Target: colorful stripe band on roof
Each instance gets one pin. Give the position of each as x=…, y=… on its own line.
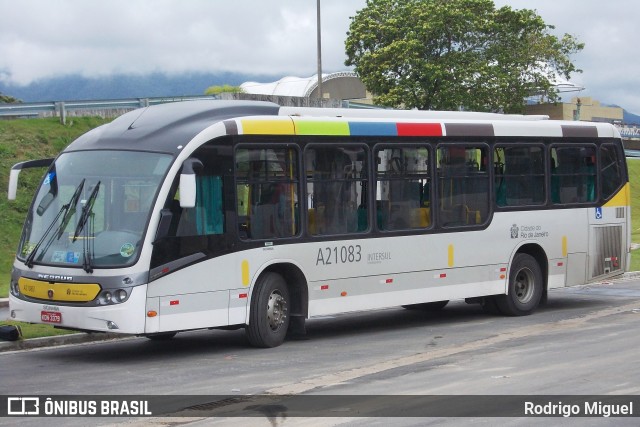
x=267, y=127
x=579, y=131
x=315, y=127
x=333, y=128
x=369, y=128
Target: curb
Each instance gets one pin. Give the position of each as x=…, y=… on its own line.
x=4, y=302
x=58, y=340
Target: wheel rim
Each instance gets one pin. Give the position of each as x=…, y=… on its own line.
x=524, y=286
x=276, y=310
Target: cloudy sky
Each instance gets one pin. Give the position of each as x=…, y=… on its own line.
x=45, y=38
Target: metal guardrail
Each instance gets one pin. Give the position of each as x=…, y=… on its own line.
x=629, y=131
x=63, y=108
x=115, y=107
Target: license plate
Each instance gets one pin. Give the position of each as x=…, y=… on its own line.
x=51, y=316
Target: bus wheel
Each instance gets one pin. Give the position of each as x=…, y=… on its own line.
x=161, y=336
x=269, y=317
x=525, y=287
x=427, y=306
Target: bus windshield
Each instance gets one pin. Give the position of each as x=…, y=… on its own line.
x=92, y=209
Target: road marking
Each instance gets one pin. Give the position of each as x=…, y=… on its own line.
x=341, y=377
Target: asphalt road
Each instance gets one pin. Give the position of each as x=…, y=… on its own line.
x=583, y=341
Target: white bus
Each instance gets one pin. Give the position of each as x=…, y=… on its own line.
x=222, y=214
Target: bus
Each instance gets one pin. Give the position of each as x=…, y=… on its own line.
x=240, y=214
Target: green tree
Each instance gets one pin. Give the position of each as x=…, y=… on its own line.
x=452, y=54
x=217, y=90
x=6, y=99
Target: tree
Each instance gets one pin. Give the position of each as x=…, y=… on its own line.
x=6, y=99
x=453, y=54
x=217, y=90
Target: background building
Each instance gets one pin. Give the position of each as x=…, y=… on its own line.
x=344, y=86
x=583, y=108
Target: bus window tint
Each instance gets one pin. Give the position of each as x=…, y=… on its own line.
x=403, y=198
x=463, y=184
x=611, y=172
x=267, y=192
x=573, y=174
x=519, y=175
x=336, y=189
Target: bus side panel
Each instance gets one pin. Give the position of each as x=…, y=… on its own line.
x=576, y=269
x=560, y=233
x=153, y=322
x=410, y=288
x=203, y=295
x=193, y=311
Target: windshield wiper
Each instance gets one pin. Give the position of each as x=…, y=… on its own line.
x=70, y=209
x=87, y=212
x=66, y=211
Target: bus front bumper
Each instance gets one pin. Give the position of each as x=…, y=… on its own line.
x=125, y=318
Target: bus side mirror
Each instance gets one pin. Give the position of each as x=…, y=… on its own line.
x=13, y=183
x=188, y=182
x=15, y=172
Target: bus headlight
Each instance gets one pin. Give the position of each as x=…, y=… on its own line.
x=113, y=296
x=121, y=295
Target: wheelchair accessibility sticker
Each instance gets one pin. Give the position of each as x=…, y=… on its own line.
x=598, y=213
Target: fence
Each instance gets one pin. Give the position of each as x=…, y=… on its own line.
x=103, y=108
x=116, y=107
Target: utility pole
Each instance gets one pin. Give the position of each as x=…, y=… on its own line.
x=319, y=51
x=576, y=113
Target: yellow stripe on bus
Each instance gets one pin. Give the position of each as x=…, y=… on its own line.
x=73, y=292
x=267, y=127
x=622, y=198
x=246, y=279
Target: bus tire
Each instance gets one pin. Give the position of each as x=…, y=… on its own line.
x=489, y=304
x=525, y=287
x=269, y=317
x=427, y=306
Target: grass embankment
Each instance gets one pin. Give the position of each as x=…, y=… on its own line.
x=22, y=140
x=38, y=138
x=634, y=178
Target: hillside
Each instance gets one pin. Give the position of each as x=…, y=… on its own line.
x=75, y=87
x=630, y=118
x=27, y=140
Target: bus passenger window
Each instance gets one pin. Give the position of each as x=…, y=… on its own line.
x=403, y=188
x=267, y=192
x=336, y=189
x=611, y=172
x=519, y=175
x=463, y=184
x=573, y=174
